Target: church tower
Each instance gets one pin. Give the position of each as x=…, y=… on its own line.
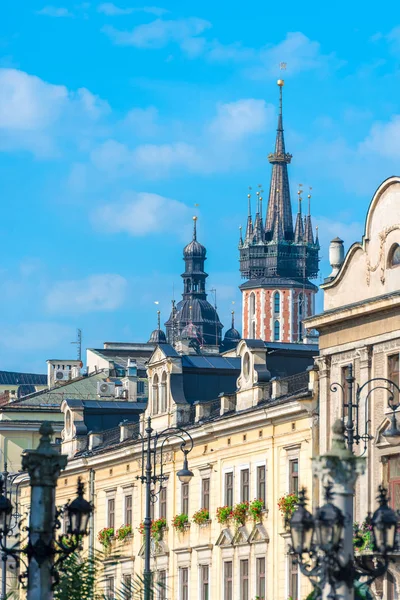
x=194, y=318
x=276, y=260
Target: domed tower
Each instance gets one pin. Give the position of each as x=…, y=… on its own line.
x=278, y=260
x=158, y=336
x=194, y=308
x=232, y=337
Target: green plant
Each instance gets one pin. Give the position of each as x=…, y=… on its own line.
x=78, y=577
x=287, y=505
x=156, y=528
x=201, y=516
x=105, y=535
x=240, y=512
x=362, y=537
x=123, y=532
x=179, y=522
x=255, y=509
x=224, y=514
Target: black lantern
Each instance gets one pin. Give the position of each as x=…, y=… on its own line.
x=329, y=523
x=5, y=511
x=185, y=475
x=392, y=435
x=384, y=523
x=79, y=512
x=302, y=526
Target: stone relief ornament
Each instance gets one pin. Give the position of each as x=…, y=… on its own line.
x=381, y=262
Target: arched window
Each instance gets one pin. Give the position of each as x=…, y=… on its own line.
x=394, y=256
x=253, y=331
x=300, y=314
x=155, y=395
x=252, y=315
x=252, y=304
x=163, y=403
x=277, y=303
x=277, y=331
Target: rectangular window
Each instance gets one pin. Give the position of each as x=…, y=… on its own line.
x=260, y=578
x=184, y=584
x=393, y=374
x=163, y=503
x=127, y=587
x=228, y=581
x=344, y=384
x=128, y=510
x=205, y=494
x=244, y=580
x=229, y=489
x=394, y=481
x=244, y=485
x=294, y=476
x=140, y=387
x=111, y=513
x=185, y=498
x=261, y=484
x=204, y=582
x=109, y=591
x=162, y=585
x=293, y=578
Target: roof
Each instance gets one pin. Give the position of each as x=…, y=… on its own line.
x=13, y=378
x=196, y=361
x=82, y=387
x=278, y=282
x=120, y=356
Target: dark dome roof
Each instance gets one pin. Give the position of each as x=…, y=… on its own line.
x=158, y=337
x=232, y=335
x=190, y=331
x=194, y=250
x=196, y=310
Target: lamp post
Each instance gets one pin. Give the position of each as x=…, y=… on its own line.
x=351, y=403
x=7, y=478
x=43, y=465
x=323, y=543
x=150, y=476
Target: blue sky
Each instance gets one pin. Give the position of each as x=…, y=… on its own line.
x=116, y=120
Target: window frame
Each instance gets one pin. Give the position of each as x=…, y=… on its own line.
x=185, y=498
x=128, y=499
x=227, y=594
x=183, y=585
x=261, y=577
x=162, y=591
x=293, y=475
x=263, y=496
x=277, y=330
x=244, y=579
x=276, y=300
x=204, y=581
x=162, y=513
x=205, y=493
x=230, y=487
x=111, y=513
x=244, y=485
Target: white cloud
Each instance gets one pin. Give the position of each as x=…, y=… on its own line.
x=35, y=336
x=142, y=213
x=34, y=112
x=111, y=10
x=160, y=33
x=383, y=139
x=160, y=159
x=142, y=121
x=236, y=120
x=95, y=293
x=54, y=11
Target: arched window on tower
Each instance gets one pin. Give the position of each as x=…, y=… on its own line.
x=277, y=303
x=394, y=256
x=252, y=316
x=155, y=393
x=163, y=403
x=300, y=314
x=277, y=331
x=253, y=330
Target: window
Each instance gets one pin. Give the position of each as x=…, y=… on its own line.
x=163, y=406
x=109, y=591
x=260, y=578
x=252, y=315
x=394, y=256
x=277, y=331
x=163, y=503
x=205, y=493
x=393, y=374
x=184, y=584
x=128, y=510
x=185, y=498
x=111, y=512
x=261, y=484
x=293, y=578
x=127, y=587
x=300, y=312
x=244, y=485
x=140, y=387
x=204, y=582
x=277, y=303
x=162, y=585
x=394, y=481
x=294, y=476
x=155, y=395
x=229, y=489
x=244, y=580
x=228, y=581
x=246, y=365
x=253, y=330
x=252, y=304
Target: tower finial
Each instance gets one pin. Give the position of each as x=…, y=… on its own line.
x=249, y=202
x=280, y=83
x=194, y=228
x=158, y=319
x=309, y=201
x=233, y=319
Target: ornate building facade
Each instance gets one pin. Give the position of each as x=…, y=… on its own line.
x=276, y=259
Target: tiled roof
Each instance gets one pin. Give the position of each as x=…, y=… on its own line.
x=12, y=378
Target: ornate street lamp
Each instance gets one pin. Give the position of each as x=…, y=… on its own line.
x=302, y=526
x=151, y=477
x=329, y=523
x=351, y=408
x=384, y=524
x=79, y=511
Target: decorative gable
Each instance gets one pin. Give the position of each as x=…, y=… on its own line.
x=157, y=548
x=241, y=536
x=225, y=538
x=259, y=534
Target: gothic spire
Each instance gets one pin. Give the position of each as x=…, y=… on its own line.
x=299, y=228
x=249, y=227
x=308, y=232
x=279, y=213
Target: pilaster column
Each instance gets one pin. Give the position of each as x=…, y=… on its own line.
x=323, y=363
x=365, y=483
x=43, y=465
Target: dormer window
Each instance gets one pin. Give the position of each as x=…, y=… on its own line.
x=155, y=395
x=163, y=399
x=394, y=256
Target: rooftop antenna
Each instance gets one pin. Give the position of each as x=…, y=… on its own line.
x=78, y=343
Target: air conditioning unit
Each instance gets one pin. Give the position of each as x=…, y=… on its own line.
x=120, y=392
x=60, y=375
x=105, y=388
